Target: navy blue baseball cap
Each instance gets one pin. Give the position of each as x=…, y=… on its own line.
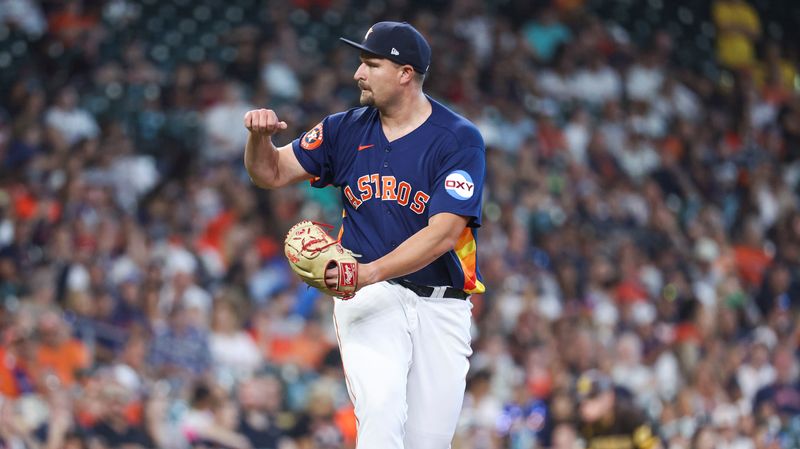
x=398, y=42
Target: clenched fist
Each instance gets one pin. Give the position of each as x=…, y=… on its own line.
x=263, y=122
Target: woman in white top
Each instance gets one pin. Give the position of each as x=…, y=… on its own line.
x=233, y=350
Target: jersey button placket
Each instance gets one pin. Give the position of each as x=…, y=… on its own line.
x=387, y=150
x=384, y=172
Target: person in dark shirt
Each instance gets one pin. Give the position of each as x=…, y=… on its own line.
x=261, y=420
x=608, y=418
x=113, y=428
x=783, y=395
x=779, y=291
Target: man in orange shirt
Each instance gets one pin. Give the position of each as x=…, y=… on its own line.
x=58, y=353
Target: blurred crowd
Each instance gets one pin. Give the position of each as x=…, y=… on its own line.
x=642, y=218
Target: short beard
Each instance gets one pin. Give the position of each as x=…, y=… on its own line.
x=366, y=100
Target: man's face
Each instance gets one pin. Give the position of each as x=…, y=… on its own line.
x=593, y=409
x=68, y=98
x=378, y=79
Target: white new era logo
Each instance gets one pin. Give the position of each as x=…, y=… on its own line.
x=395, y=52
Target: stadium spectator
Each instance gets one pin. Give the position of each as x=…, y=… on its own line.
x=179, y=351
x=233, y=352
x=67, y=123
x=59, y=357
x=546, y=33
x=219, y=122
x=781, y=397
x=263, y=419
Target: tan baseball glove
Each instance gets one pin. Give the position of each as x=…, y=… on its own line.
x=311, y=251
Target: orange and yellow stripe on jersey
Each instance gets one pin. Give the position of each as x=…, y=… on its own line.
x=467, y=251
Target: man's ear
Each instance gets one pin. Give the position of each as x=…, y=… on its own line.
x=406, y=74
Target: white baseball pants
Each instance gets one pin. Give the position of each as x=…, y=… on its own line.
x=405, y=362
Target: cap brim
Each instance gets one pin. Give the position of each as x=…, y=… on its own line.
x=357, y=45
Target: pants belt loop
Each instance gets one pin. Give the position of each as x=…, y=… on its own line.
x=438, y=292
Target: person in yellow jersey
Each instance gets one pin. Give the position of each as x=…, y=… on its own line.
x=608, y=419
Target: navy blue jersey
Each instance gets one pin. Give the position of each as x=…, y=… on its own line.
x=390, y=189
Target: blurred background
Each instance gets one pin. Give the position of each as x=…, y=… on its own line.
x=642, y=218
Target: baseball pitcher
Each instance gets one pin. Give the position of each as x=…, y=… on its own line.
x=411, y=174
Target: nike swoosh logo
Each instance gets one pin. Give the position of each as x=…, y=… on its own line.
x=364, y=147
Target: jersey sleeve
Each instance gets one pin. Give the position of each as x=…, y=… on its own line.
x=315, y=150
x=458, y=185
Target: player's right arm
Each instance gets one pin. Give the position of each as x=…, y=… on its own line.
x=269, y=167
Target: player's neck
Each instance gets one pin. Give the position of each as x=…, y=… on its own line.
x=405, y=116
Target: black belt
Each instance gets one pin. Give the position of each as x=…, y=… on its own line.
x=427, y=292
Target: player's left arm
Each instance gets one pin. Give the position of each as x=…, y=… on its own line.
x=416, y=252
